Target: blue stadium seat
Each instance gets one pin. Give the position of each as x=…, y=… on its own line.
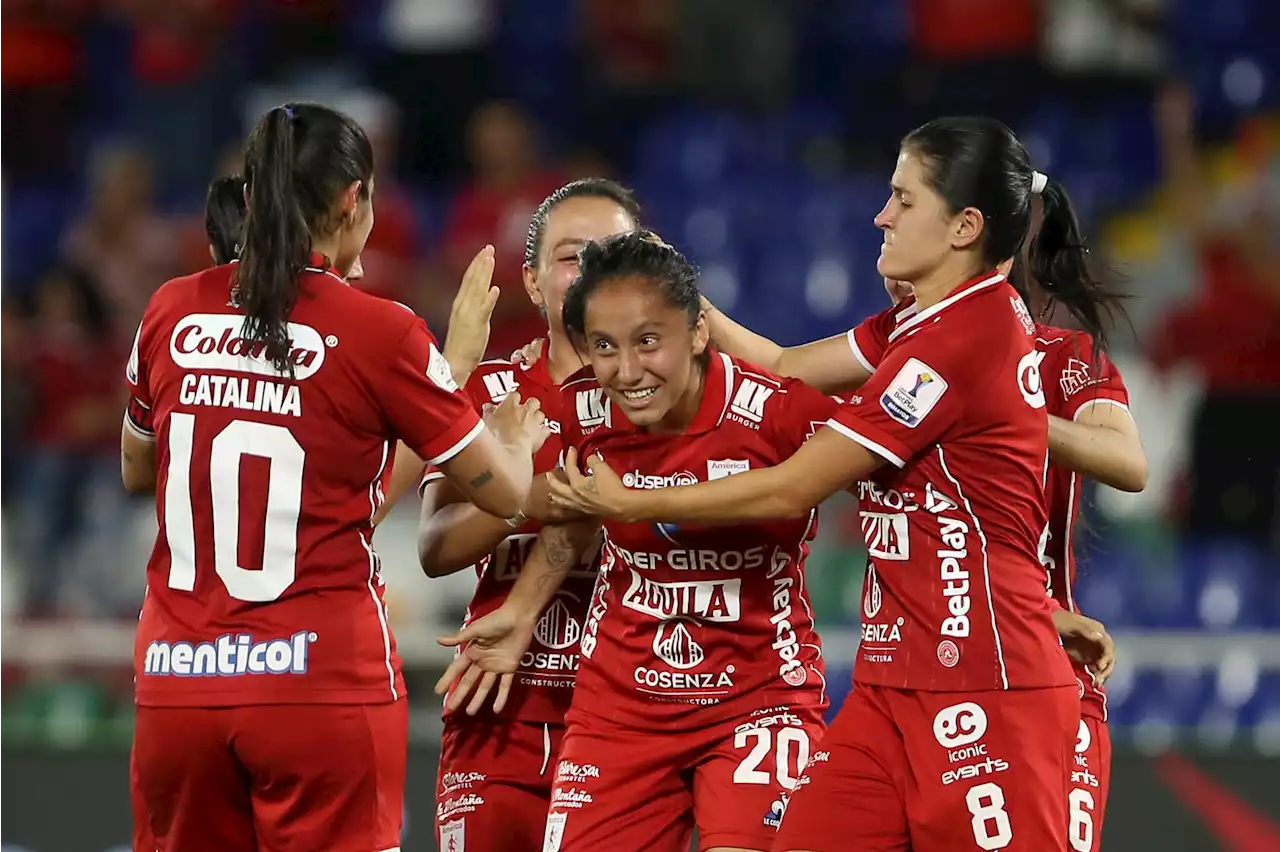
x=696, y=147
x=1229, y=583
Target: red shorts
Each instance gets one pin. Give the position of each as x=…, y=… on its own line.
x=494, y=784
x=281, y=776
x=1090, y=780
x=938, y=771
x=621, y=789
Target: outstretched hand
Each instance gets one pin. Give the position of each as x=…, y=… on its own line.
x=468, y=336
x=600, y=493
x=491, y=648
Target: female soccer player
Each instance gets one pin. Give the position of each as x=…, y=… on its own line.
x=224, y=212
x=266, y=398
x=495, y=778
x=701, y=687
x=961, y=726
x=1091, y=433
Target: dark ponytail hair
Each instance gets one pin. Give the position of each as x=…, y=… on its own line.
x=638, y=254
x=299, y=159
x=1058, y=261
x=224, y=210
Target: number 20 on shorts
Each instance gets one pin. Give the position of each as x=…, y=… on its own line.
x=790, y=747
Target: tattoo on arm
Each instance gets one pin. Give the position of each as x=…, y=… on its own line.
x=482, y=480
x=561, y=552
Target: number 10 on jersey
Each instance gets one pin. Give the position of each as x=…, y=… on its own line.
x=222, y=460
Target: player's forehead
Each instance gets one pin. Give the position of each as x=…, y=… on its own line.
x=629, y=303
x=582, y=219
x=909, y=173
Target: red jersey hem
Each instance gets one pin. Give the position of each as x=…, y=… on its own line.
x=227, y=698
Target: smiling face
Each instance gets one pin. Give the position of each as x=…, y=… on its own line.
x=919, y=232
x=644, y=353
x=571, y=224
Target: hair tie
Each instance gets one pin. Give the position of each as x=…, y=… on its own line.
x=1039, y=180
x=288, y=112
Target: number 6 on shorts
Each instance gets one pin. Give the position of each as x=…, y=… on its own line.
x=787, y=741
x=1081, y=820
x=986, y=803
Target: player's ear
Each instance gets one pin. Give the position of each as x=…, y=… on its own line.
x=967, y=227
x=530, y=278
x=701, y=334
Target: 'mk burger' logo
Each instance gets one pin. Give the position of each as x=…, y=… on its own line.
x=216, y=342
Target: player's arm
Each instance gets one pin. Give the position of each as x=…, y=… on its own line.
x=138, y=431
x=827, y=463
x=405, y=472
x=137, y=461
x=495, y=470
x=558, y=549
x=452, y=533
x=1101, y=443
x=828, y=365
x=491, y=463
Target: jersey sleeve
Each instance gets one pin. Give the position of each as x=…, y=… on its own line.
x=802, y=410
x=424, y=405
x=1086, y=377
x=476, y=392
x=870, y=338
x=914, y=396
x=138, y=418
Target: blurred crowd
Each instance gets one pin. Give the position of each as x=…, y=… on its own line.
x=1157, y=114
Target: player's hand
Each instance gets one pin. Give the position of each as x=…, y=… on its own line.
x=1087, y=642
x=599, y=493
x=492, y=646
x=468, y=336
x=898, y=290
x=518, y=424
x=529, y=353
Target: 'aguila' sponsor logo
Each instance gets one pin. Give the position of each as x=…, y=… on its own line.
x=705, y=600
x=217, y=342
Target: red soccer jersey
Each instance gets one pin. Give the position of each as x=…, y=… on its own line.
x=695, y=625
x=1075, y=377
x=954, y=598
x=263, y=586
x=550, y=666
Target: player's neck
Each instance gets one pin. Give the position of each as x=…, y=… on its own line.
x=943, y=281
x=562, y=359
x=327, y=246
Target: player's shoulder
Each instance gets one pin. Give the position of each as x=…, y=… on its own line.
x=200, y=290
x=336, y=301
x=493, y=381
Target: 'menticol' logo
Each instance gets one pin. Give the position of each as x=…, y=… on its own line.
x=230, y=656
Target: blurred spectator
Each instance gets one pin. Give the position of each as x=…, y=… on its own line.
x=974, y=57
x=181, y=82
x=436, y=66
x=737, y=52
x=510, y=181
x=628, y=58
x=43, y=73
x=1230, y=329
x=15, y=396
x=73, y=365
x=1085, y=39
x=129, y=247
